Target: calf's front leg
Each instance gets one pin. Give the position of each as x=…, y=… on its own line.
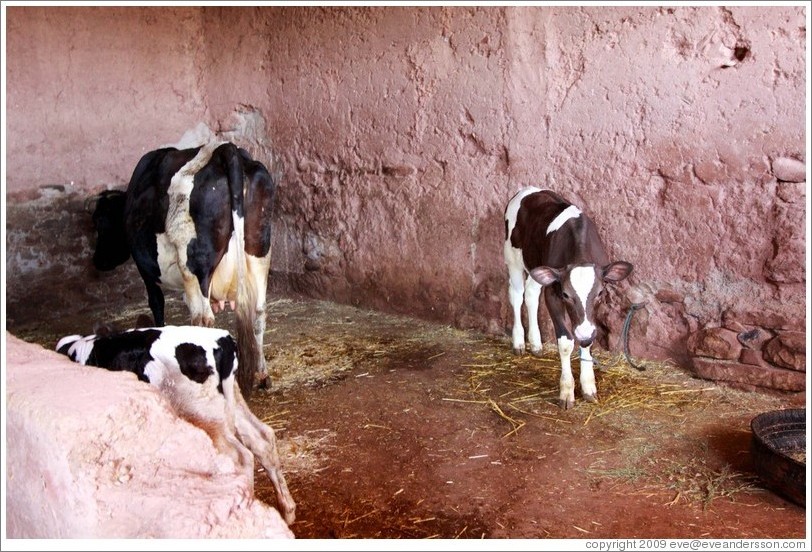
x=566, y=384
x=588, y=386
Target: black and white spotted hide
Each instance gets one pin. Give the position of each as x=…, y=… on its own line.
x=194, y=367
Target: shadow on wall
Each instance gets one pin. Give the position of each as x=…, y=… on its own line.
x=49, y=270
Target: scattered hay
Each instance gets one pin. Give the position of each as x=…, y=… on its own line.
x=529, y=385
x=307, y=453
x=620, y=387
x=346, y=337
x=690, y=478
x=697, y=481
x=516, y=387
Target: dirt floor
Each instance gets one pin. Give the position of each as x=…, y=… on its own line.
x=395, y=428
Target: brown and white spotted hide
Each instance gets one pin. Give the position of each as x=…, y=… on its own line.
x=552, y=245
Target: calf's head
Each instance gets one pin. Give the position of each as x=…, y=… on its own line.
x=579, y=287
x=111, y=240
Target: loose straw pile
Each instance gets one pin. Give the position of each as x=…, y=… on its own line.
x=518, y=386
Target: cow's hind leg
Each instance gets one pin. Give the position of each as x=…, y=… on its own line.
x=258, y=269
x=260, y=439
x=155, y=296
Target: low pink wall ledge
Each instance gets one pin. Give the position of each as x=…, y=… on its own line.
x=95, y=454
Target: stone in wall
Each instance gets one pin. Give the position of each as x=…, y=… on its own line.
x=787, y=350
x=718, y=343
x=750, y=358
x=753, y=357
x=787, y=263
x=753, y=338
x=789, y=169
x=740, y=374
x=764, y=317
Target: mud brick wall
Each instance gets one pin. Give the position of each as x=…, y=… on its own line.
x=399, y=134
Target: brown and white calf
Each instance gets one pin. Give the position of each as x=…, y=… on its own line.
x=551, y=244
x=194, y=368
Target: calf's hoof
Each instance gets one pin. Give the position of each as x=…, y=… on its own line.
x=593, y=398
x=290, y=516
x=536, y=352
x=566, y=404
x=519, y=351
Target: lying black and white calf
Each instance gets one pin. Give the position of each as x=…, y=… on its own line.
x=195, y=368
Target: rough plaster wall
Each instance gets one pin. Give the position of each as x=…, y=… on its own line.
x=649, y=118
x=380, y=135
x=92, y=89
x=401, y=132
x=403, y=138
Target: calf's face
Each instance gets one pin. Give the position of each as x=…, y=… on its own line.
x=580, y=287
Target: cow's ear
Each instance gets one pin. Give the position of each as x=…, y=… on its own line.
x=545, y=275
x=616, y=271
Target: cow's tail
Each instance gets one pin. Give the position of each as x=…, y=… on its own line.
x=248, y=351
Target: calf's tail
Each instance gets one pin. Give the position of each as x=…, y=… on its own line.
x=248, y=351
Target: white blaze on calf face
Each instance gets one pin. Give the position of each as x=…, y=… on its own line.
x=569, y=213
x=583, y=279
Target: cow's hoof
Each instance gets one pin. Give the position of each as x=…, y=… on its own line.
x=536, y=352
x=566, y=404
x=264, y=384
x=591, y=398
x=519, y=351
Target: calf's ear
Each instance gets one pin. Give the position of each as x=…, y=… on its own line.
x=545, y=275
x=617, y=271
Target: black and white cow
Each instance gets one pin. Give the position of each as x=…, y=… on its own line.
x=197, y=220
x=194, y=368
x=552, y=244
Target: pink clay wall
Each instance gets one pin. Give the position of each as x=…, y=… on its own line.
x=97, y=454
x=400, y=133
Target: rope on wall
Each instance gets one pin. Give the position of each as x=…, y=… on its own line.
x=625, y=334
